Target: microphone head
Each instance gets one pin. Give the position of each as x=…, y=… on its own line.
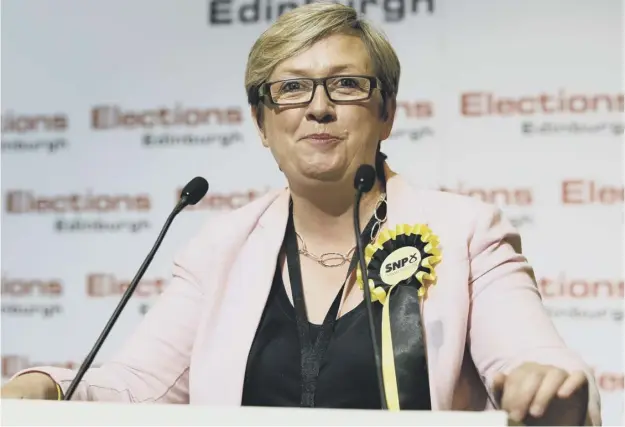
x=195, y=190
x=365, y=178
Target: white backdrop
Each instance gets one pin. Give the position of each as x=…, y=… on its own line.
x=516, y=102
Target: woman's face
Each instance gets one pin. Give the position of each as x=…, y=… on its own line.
x=324, y=140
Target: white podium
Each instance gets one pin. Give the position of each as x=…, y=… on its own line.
x=52, y=413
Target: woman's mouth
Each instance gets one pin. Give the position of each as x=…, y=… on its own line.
x=322, y=139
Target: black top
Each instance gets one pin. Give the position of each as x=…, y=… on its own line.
x=347, y=377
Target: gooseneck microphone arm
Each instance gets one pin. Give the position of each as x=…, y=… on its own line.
x=191, y=194
x=365, y=178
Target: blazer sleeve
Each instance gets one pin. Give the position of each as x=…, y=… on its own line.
x=508, y=324
x=153, y=364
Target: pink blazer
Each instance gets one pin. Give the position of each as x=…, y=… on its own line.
x=484, y=314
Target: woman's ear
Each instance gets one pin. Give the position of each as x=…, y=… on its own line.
x=257, y=118
x=389, y=106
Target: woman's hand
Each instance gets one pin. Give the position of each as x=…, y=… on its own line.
x=543, y=395
x=34, y=385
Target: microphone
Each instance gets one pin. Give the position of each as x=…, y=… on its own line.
x=363, y=183
x=190, y=195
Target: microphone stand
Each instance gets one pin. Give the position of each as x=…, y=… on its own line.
x=368, y=304
x=182, y=203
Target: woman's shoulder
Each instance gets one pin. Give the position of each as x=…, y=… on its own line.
x=449, y=206
x=459, y=220
x=240, y=220
x=225, y=232
x=442, y=198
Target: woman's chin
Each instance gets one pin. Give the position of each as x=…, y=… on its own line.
x=323, y=175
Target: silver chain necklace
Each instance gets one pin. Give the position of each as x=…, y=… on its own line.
x=335, y=259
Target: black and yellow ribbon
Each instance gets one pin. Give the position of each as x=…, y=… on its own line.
x=405, y=256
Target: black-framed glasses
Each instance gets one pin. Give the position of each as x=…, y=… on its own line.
x=302, y=90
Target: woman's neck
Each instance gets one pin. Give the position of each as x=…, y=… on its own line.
x=324, y=216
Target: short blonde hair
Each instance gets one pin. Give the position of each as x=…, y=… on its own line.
x=305, y=25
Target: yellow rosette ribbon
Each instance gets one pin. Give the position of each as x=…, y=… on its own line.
x=405, y=256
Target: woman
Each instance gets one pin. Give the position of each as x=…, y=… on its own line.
x=322, y=86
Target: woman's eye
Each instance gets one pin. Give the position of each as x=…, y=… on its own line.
x=348, y=83
x=290, y=86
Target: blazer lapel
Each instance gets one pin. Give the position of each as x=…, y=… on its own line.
x=242, y=307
